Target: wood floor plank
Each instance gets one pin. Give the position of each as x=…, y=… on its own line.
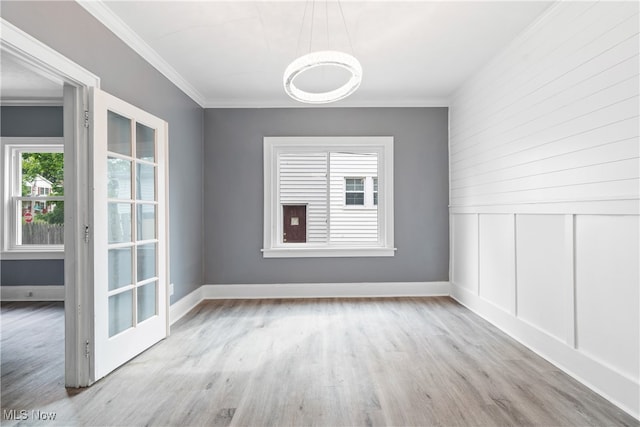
x=314, y=362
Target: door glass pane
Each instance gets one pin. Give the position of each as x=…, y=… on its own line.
x=146, y=261
x=146, y=301
x=145, y=182
x=146, y=222
x=120, y=312
x=119, y=178
x=119, y=222
x=145, y=142
x=120, y=267
x=118, y=134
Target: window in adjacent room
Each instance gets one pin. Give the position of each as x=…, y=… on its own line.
x=34, y=195
x=338, y=181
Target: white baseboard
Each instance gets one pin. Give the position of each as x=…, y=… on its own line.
x=184, y=305
x=620, y=389
x=32, y=293
x=326, y=290
x=305, y=290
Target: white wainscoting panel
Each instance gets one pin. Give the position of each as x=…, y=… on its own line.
x=497, y=260
x=464, y=249
x=620, y=389
x=608, y=290
x=542, y=261
x=548, y=133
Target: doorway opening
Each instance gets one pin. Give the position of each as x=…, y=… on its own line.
x=53, y=89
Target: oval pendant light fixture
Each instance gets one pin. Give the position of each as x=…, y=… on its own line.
x=324, y=58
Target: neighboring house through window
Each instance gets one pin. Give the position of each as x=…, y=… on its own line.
x=333, y=182
x=354, y=193
x=375, y=191
x=362, y=193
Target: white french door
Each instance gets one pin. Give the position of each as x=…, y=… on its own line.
x=130, y=269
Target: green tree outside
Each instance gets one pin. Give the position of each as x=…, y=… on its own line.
x=51, y=167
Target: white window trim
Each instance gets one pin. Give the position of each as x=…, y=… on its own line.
x=382, y=145
x=9, y=146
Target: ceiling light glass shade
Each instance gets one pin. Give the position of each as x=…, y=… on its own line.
x=320, y=59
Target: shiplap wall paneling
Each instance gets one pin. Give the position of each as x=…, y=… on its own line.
x=601, y=143
x=608, y=290
x=542, y=263
x=562, y=123
x=497, y=260
x=570, y=45
x=464, y=248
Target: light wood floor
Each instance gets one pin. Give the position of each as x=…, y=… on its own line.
x=341, y=362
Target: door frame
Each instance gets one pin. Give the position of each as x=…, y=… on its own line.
x=78, y=259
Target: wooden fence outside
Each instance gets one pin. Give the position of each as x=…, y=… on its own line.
x=42, y=234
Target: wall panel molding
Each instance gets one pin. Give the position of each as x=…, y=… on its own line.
x=620, y=389
x=628, y=205
x=570, y=278
x=545, y=289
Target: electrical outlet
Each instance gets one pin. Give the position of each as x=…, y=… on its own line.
x=170, y=289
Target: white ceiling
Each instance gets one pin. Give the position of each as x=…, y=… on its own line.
x=22, y=84
x=233, y=53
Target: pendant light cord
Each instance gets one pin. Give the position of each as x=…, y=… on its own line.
x=313, y=14
x=344, y=22
x=313, y=18
x=326, y=14
x=304, y=18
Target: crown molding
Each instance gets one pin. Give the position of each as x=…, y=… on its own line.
x=110, y=20
x=419, y=103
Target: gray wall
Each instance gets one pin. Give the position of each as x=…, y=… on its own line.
x=31, y=122
x=68, y=28
x=42, y=272
x=234, y=194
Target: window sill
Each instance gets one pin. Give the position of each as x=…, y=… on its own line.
x=30, y=254
x=360, y=207
x=328, y=252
